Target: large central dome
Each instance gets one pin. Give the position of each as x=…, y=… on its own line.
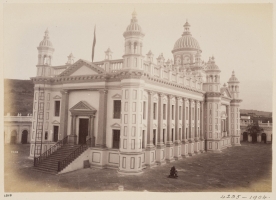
x=186, y=42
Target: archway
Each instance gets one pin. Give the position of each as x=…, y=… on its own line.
x=24, y=137
x=13, y=137
x=254, y=137
x=245, y=136
x=263, y=137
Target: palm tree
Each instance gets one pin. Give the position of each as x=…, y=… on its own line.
x=254, y=130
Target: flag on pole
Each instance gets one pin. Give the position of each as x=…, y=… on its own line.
x=94, y=43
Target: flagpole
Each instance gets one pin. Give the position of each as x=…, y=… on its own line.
x=94, y=43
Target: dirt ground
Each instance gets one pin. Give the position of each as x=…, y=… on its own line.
x=247, y=168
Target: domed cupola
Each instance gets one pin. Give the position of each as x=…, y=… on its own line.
x=46, y=41
x=233, y=78
x=133, y=28
x=186, y=42
x=45, y=50
x=133, y=57
x=211, y=65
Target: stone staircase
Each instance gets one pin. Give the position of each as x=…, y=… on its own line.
x=50, y=164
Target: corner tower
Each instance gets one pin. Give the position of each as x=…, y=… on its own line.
x=212, y=106
x=233, y=85
x=133, y=58
x=45, y=55
x=132, y=90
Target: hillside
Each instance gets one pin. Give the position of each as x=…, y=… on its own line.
x=18, y=96
x=257, y=113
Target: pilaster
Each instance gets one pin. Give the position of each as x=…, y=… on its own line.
x=64, y=113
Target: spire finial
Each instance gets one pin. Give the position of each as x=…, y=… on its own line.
x=186, y=28
x=134, y=14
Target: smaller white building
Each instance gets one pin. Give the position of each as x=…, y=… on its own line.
x=17, y=128
x=265, y=136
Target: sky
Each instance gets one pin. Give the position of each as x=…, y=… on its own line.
x=239, y=36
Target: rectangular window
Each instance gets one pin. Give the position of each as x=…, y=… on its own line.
x=48, y=106
x=179, y=134
x=164, y=131
x=172, y=112
x=116, y=139
x=57, y=108
x=154, y=110
x=48, y=97
x=144, y=110
x=164, y=111
x=172, y=136
x=41, y=95
x=154, y=137
x=47, y=115
x=37, y=149
x=116, y=109
x=186, y=133
x=180, y=112
x=143, y=139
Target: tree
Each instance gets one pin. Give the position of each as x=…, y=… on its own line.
x=254, y=130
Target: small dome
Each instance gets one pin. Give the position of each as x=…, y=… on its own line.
x=186, y=41
x=211, y=65
x=233, y=78
x=134, y=26
x=46, y=41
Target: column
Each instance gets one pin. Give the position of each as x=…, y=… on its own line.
x=150, y=148
x=202, y=127
x=177, y=145
x=64, y=113
x=228, y=120
x=72, y=137
x=196, y=125
x=191, y=132
x=169, y=144
x=160, y=147
x=185, y=142
x=150, y=120
x=92, y=131
x=101, y=136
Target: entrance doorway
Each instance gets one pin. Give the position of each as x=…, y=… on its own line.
x=13, y=137
x=56, y=133
x=254, y=137
x=24, y=138
x=83, y=130
x=264, y=137
x=245, y=137
x=116, y=139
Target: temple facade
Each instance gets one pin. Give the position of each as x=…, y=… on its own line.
x=134, y=112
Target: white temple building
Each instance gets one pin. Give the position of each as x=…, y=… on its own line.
x=133, y=112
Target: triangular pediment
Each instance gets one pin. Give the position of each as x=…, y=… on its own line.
x=82, y=67
x=117, y=96
x=57, y=97
x=82, y=106
x=116, y=125
x=55, y=122
x=225, y=92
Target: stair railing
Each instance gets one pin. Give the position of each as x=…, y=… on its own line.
x=50, y=151
x=72, y=156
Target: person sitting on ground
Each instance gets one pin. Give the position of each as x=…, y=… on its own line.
x=173, y=172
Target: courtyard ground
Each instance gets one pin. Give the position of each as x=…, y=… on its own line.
x=247, y=168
